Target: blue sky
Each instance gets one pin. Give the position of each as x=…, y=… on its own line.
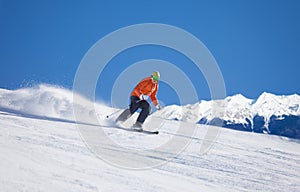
x=255, y=43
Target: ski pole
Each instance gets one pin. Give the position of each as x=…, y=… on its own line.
x=107, y=116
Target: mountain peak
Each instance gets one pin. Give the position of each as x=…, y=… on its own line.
x=266, y=95
x=238, y=98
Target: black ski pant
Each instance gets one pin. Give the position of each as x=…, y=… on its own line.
x=135, y=104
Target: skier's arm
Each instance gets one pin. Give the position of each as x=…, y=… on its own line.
x=153, y=96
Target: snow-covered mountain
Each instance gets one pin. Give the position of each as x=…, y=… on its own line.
x=42, y=149
x=270, y=113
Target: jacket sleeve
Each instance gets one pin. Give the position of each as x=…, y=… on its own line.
x=153, y=96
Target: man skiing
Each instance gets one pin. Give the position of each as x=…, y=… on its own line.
x=146, y=88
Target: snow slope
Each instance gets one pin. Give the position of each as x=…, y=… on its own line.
x=43, y=151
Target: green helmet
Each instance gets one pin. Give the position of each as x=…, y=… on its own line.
x=155, y=75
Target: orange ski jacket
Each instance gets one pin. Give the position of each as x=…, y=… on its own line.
x=147, y=87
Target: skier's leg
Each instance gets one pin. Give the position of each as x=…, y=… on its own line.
x=146, y=108
x=128, y=112
x=124, y=115
x=134, y=104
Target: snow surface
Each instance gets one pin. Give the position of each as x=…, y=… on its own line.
x=42, y=149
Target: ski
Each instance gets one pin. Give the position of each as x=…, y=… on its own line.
x=138, y=131
x=146, y=131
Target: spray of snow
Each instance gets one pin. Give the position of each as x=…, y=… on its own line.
x=46, y=101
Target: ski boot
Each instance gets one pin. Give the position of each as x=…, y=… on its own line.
x=138, y=126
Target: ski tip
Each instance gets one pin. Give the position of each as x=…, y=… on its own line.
x=148, y=132
x=154, y=132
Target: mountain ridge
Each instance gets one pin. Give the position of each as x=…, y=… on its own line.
x=240, y=113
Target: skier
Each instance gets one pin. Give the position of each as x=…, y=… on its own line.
x=146, y=88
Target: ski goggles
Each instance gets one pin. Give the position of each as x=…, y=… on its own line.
x=155, y=78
